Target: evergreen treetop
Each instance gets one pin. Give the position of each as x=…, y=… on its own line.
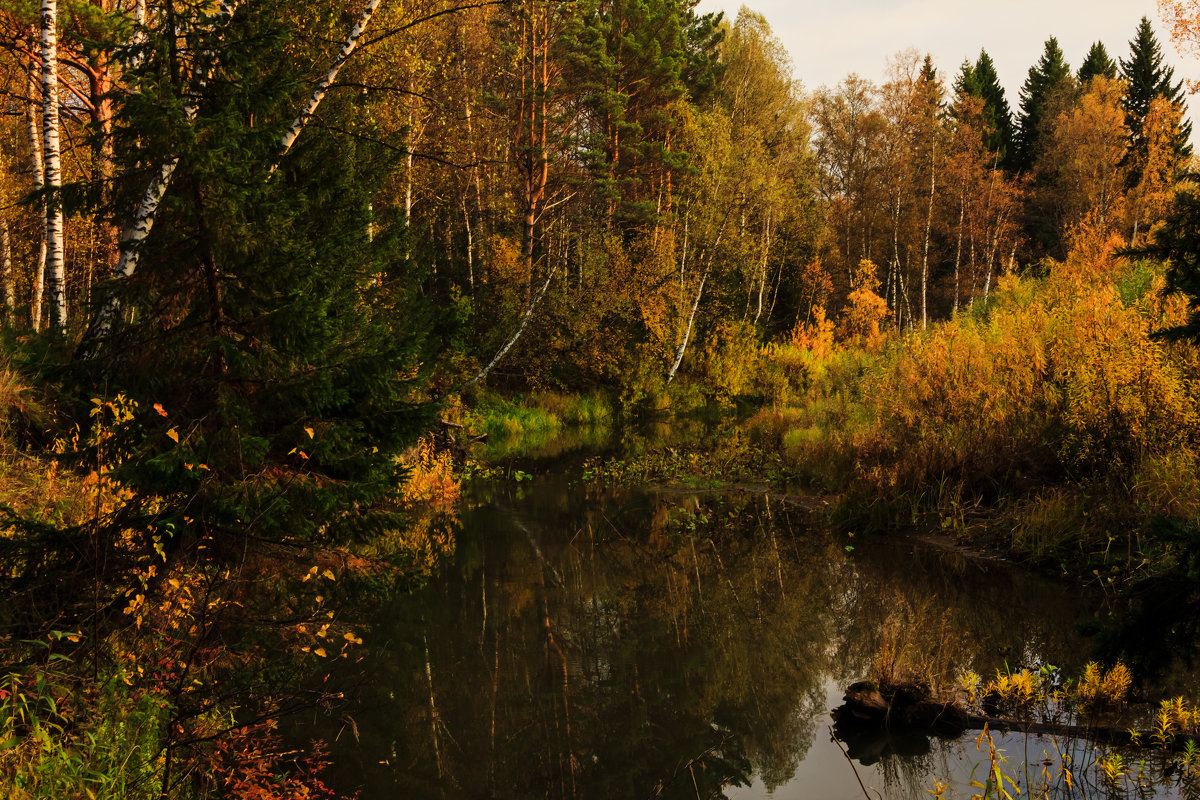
x=982, y=81
x=1148, y=77
x=1097, y=62
x=1044, y=77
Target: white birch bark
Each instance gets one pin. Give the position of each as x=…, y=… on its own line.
x=928, y=228
x=528, y=315
x=687, y=333
x=762, y=277
x=318, y=94
x=55, y=257
x=10, y=289
x=39, y=181
x=143, y=218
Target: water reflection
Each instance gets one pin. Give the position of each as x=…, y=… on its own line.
x=586, y=644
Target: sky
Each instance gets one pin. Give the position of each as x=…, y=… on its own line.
x=829, y=39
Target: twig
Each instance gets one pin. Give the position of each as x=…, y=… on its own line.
x=850, y=761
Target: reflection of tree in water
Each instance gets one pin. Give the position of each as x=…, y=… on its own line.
x=664, y=646
x=946, y=613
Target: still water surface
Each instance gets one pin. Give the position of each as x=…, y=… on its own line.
x=591, y=643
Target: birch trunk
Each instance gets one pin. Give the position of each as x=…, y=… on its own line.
x=143, y=219
x=10, y=289
x=39, y=181
x=318, y=94
x=762, y=281
x=962, y=214
x=687, y=332
x=928, y=228
x=528, y=315
x=135, y=234
x=55, y=258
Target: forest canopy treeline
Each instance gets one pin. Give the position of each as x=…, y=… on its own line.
x=575, y=194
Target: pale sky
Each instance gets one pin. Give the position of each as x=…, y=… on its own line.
x=829, y=39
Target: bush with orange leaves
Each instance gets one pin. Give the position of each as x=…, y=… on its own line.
x=432, y=477
x=1059, y=380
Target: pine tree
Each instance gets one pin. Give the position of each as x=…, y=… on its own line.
x=1148, y=77
x=633, y=59
x=1044, y=79
x=1096, y=62
x=997, y=115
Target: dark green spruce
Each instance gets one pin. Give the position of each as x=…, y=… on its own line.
x=1097, y=62
x=980, y=80
x=1044, y=79
x=1148, y=77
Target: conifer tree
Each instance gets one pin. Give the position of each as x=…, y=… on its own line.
x=1147, y=78
x=276, y=334
x=983, y=82
x=1177, y=243
x=1043, y=79
x=1096, y=62
x=633, y=59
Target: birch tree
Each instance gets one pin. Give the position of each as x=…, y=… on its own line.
x=38, y=170
x=55, y=253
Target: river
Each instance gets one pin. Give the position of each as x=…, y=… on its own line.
x=586, y=642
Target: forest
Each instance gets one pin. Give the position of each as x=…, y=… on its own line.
x=283, y=282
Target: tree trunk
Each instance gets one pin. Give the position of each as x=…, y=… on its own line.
x=528, y=315
x=928, y=227
x=536, y=161
x=39, y=182
x=687, y=332
x=962, y=214
x=310, y=108
x=55, y=258
x=762, y=282
x=10, y=289
x=410, y=141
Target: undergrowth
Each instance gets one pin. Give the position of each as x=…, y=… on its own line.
x=1055, y=401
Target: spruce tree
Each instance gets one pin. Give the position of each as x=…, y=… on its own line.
x=980, y=80
x=273, y=335
x=1043, y=79
x=1177, y=242
x=929, y=73
x=965, y=81
x=1148, y=77
x=1097, y=62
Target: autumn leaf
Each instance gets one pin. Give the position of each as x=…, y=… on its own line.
x=161, y=411
x=173, y=435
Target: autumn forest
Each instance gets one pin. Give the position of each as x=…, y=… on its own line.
x=307, y=308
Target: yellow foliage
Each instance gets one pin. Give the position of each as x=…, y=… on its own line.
x=815, y=336
x=731, y=357
x=432, y=478
x=1060, y=375
x=865, y=311
x=1100, y=689
x=1018, y=689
